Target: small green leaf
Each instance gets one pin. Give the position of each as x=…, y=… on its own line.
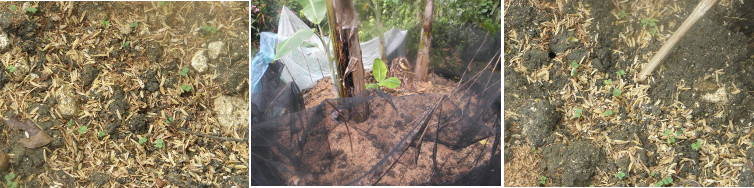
x=159, y=143
x=574, y=64
x=621, y=73
x=10, y=176
x=161, y=3
x=82, y=129
x=542, y=180
x=13, y=7
x=668, y=180
x=184, y=71
x=142, y=140
x=11, y=68
x=170, y=120
x=577, y=114
x=608, y=112
x=667, y=132
x=671, y=140
x=287, y=45
x=14, y=185
x=696, y=145
x=379, y=70
x=186, y=88
x=372, y=86
x=70, y=122
x=622, y=13
x=616, y=92
x=391, y=82
x=134, y=24
x=31, y=9
x=101, y=133
x=608, y=81
x=652, y=174
x=620, y=175
x=105, y=23
x=658, y=184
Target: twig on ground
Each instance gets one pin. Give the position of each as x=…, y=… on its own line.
x=210, y=136
x=698, y=12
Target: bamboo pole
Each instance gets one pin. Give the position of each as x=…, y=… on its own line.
x=698, y=12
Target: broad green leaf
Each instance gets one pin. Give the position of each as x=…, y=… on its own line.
x=286, y=46
x=391, y=82
x=314, y=10
x=379, y=71
x=308, y=44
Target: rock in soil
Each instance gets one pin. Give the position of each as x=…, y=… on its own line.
x=232, y=112
x=68, y=104
x=99, y=179
x=538, y=118
x=576, y=162
x=215, y=49
x=199, y=61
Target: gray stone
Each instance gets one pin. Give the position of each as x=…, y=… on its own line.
x=232, y=112
x=68, y=104
x=215, y=49
x=199, y=61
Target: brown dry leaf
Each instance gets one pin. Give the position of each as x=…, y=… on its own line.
x=37, y=137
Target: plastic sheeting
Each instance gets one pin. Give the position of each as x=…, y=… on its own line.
x=306, y=66
x=262, y=59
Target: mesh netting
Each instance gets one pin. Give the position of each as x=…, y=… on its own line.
x=378, y=139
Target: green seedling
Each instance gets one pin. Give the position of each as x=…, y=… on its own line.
x=186, y=88
x=184, y=71
x=616, y=92
x=652, y=174
x=671, y=140
x=621, y=73
x=620, y=175
x=651, y=23
x=696, y=145
x=169, y=120
x=665, y=181
x=125, y=44
x=379, y=72
x=679, y=132
x=159, y=143
x=101, y=134
x=9, y=180
x=134, y=24
x=70, y=122
x=668, y=180
x=574, y=69
x=142, y=140
x=161, y=3
x=31, y=9
x=607, y=82
x=209, y=29
x=622, y=13
x=11, y=68
x=667, y=132
x=608, y=112
x=577, y=113
x=542, y=180
x=82, y=130
x=105, y=23
x=13, y=7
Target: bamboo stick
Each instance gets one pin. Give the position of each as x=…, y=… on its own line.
x=698, y=12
